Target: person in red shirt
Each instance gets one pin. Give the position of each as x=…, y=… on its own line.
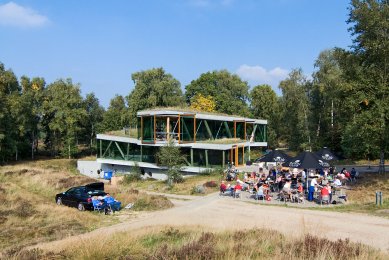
x=324, y=191
x=223, y=187
x=237, y=190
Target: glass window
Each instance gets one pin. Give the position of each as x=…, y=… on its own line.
x=187, y=126
x=148, y=129
x=260, y=133
x=240, y=130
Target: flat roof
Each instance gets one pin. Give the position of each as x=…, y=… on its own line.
x=200, y=115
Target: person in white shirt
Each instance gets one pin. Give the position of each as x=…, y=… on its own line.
x=337, y=183
x=312, y=187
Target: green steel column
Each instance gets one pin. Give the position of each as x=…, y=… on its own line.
x=227, y=129
x=206, y=158
x=224, y=158
x=128, y=151
x=191, y=156
x=141, y=153
x=208, y=129
x=101, y=148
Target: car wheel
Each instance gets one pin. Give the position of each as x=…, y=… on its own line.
x=59, y=201
x=81, y=207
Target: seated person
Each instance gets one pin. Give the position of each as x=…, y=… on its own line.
x=223, y=187
x=300, y=188
x=115, y=205
x=244, y=185
x=96, y=202
x=337, y=182
x=324, y=191
x=237, y=188
x=260, y=193
x=287, y=187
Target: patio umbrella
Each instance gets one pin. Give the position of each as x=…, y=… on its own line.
x=306, y=160
x=326, y=154
x=274, y=156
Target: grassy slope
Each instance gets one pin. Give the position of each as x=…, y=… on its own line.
x=191, y=243
x=29, y=215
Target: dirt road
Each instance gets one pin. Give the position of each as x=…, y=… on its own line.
x=220, y=213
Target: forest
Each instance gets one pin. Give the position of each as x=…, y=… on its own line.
x=343, y=105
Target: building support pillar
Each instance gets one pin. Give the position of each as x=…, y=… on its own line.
x=101, y=148
x=191, y=156
x=206, y=158
x=224, y=158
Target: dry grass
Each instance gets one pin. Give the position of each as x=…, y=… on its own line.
x=191, y=243
x=183, y=188
x=29, y=215
x=361, y=195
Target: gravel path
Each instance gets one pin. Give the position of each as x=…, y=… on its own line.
x=213, y=212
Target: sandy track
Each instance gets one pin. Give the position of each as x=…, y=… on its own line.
x=220, y=213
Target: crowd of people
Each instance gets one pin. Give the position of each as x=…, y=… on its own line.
x=292, y=185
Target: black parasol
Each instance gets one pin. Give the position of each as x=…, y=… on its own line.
x=326, y=155
x=306, y=160
x=274, y=156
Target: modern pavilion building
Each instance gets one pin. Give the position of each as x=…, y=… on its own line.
x=207, y=140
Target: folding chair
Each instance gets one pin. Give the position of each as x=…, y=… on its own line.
x=97, y=205
x=237, y=194
x=325, y=198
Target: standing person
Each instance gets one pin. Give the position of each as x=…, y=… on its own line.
x=329, y=191
x=312, y=187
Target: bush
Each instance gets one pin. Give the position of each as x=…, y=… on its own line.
x=199, y=189
x=210, y=184
x=129, y=178
x=24, y=209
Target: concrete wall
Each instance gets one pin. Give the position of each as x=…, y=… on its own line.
x=88, y=168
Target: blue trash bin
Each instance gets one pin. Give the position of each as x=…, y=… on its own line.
x=107, y=175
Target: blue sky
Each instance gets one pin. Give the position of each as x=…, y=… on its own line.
x=99, y=44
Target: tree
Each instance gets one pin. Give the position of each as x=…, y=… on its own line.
x=228, y=90
x=29, y=111
x=329, y=98
x=202, y=103
x=9, y=96
x=265, y=105
x=63, y=114
x=153, y=88
x=295, y=112
x=171, y=157
x=369, y=20
x=115, y=117
x=94, y=118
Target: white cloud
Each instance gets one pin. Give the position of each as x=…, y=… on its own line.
x=12, y=14
x=258, y=75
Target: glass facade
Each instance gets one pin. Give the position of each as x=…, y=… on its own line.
x=186, y=128
x=260, y=133
x=148, y=129
x=240, y=130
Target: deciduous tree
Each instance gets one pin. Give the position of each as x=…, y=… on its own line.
x=228, y=90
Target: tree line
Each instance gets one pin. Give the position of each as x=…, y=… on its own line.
x=344, y=105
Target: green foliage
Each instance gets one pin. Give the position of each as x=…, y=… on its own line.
x=63, y=116
x=94, y=119
x=295, y=113
x=266, y=105
x=135, y=175
x=171, y=157
x=228, y=90
x=153, y=88
x=115, y=117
